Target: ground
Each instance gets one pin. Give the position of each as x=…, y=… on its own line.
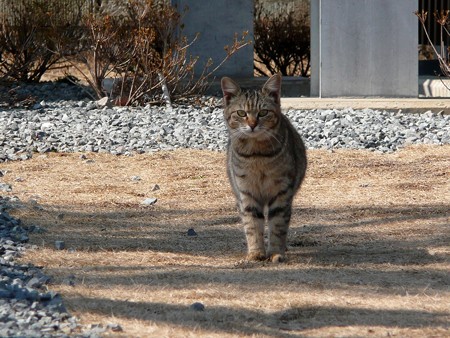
x=368, y=247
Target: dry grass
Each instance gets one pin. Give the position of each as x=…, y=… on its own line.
x=368, y=248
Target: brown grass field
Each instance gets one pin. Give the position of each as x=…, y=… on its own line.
x=369, y=245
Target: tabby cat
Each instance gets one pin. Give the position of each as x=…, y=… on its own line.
x=266, y=163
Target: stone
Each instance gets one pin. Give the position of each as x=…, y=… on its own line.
x=60, y=245
x=37, y=106
x=5, y=294
x=149, y=201
x=69, y=280
x=191, y=232
x=197, y=306
x=114, y=327
x=104, y=102
x=34, y=283
x=5, y=187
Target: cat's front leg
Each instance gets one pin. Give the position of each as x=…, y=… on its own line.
x=253, y=220
x=279, y=217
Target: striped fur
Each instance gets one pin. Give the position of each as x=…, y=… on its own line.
x=266, y=163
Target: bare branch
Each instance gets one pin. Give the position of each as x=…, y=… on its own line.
x=282, y=39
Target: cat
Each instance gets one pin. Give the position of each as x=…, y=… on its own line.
x=266, y=164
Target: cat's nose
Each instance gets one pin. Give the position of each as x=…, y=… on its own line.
x=252, y=124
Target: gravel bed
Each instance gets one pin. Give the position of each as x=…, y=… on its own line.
x=27, y=307
x=81, y=126
x=64, y=119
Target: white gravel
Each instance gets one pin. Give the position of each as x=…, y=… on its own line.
x=80, y=126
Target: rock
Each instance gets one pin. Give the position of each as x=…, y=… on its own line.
x=29, y=311
x=191, y=232
x=104, y=102
x=114, y=327
x=46, y=126
x=4, y=294
x=197, y=306
x=5, y=187
x=155, y=187
x=149, y=201
x=69, y=280
x=96, y=329
x=37, y=106
x=34, y=283
x=60, y=245
x=36, y=229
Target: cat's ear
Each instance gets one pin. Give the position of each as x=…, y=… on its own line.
x=273, y=87
x=230, y=89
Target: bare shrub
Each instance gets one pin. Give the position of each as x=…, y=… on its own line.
x=26, y=49
x=161, y=67
x=156, y=55
x=101, y=43
x=138, y=46
x=282, y=40
x=23, y=51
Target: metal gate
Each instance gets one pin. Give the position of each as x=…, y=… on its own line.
x=433, y=27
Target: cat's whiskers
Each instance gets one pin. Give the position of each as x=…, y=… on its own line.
x=238, y=133
x=271, y=137
x=270, y=134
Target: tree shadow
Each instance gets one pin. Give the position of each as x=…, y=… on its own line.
x=389, y=263
x=317, y=278
x=329, y=249
x=319, y=235
x=285, y=323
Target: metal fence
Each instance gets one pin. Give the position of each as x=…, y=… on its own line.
x=433, y=27
x=68, y=10
x=281, y=6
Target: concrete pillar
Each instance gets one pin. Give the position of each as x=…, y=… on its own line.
x=217, y=21
x=364, y=48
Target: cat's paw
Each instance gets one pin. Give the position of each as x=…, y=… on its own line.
x=256, y=256
x=277, y=258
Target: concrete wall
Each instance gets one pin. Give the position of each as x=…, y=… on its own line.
x=217, y=21
x=364, y=48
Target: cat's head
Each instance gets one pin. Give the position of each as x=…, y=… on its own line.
x=252, y=113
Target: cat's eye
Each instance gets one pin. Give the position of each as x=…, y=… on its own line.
x=263, y=113
x=241, y=113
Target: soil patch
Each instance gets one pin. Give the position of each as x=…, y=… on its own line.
x=368, y=251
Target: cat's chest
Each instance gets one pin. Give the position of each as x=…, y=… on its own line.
x=264, y=178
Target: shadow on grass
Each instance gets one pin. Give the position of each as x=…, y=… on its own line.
x=332, y=249
x=182, y=276
x=219, y=319
x=327, y=251
x=339, y=236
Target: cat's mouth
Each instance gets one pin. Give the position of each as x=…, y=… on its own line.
x=254, y=132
